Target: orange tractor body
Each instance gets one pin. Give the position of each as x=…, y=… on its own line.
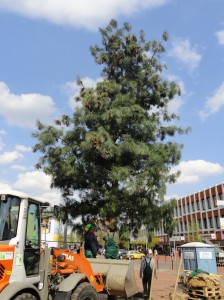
x=31, y=273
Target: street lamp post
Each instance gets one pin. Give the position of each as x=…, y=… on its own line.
x=65, y=233
x=146, y=238
x=174, y=247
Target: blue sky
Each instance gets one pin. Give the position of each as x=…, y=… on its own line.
x=45, y=46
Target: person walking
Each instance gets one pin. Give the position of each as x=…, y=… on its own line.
x=91, y=245
x=146, y=270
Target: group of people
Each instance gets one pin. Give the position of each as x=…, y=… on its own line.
x=91, y=248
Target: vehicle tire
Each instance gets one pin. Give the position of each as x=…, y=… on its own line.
x=85, y=291
x=132, y=257
x=25, y=296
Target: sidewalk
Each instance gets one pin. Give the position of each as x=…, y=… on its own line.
x=164, y=285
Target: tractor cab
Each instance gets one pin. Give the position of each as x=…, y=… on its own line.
x=9, y=216
x=19, y=236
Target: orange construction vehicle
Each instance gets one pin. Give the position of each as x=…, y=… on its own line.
x=28, y=272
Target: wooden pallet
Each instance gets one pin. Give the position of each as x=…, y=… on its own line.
x=205, y=293
x=205, y=298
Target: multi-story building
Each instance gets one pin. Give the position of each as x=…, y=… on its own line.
x=203, y=208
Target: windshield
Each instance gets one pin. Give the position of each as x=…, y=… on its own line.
x=9, y=215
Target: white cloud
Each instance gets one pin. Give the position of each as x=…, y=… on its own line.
x=168, y=198
x=2, y=145
x=53, y=197
x=37, y=184
x=2, y=132
x=33, y=180
x=214, y=103
x=24, y=110
x=19, y=167
x=185, y=53
x=72, y=90
x=193, y=170
x=175, y=104
x=10, y=156
x=5, y=186
x=220, y=36
x=23, y=148
x=86, y=13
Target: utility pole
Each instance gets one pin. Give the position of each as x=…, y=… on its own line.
x=146, y=238
x=65, y=233
x=65, y=220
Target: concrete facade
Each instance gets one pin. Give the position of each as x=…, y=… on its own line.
x=206, y=209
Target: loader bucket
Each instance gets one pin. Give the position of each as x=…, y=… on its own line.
x=119, y=276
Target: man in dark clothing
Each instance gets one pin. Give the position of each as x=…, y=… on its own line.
x=146, y=270
x=91, y=245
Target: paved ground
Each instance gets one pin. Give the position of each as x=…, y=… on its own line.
x=164, y=285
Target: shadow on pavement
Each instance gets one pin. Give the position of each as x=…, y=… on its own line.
x=135, y=297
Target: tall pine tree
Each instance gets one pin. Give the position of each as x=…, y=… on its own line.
x=117, y=149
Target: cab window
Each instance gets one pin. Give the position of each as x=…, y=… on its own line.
x=32, y=242
x=33, y=225
x=9, y=216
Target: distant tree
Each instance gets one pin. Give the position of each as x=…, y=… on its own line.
x=117, y=148
x=193, y=229
x=167, y=216
x=124, y=236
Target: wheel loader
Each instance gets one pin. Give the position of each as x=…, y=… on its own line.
x=28, y=272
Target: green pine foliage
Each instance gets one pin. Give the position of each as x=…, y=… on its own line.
x=118, y=146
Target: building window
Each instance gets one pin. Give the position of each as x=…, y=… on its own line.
x=188, y=208
x=198, y=205
x=211, y=222
x=180, y=210
x=217, y=222
x=181, y=227
x=193, y=208
x=203, y=204
x=205, y=223
x=199, y=223
x=208, y=203
x=184, y=210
